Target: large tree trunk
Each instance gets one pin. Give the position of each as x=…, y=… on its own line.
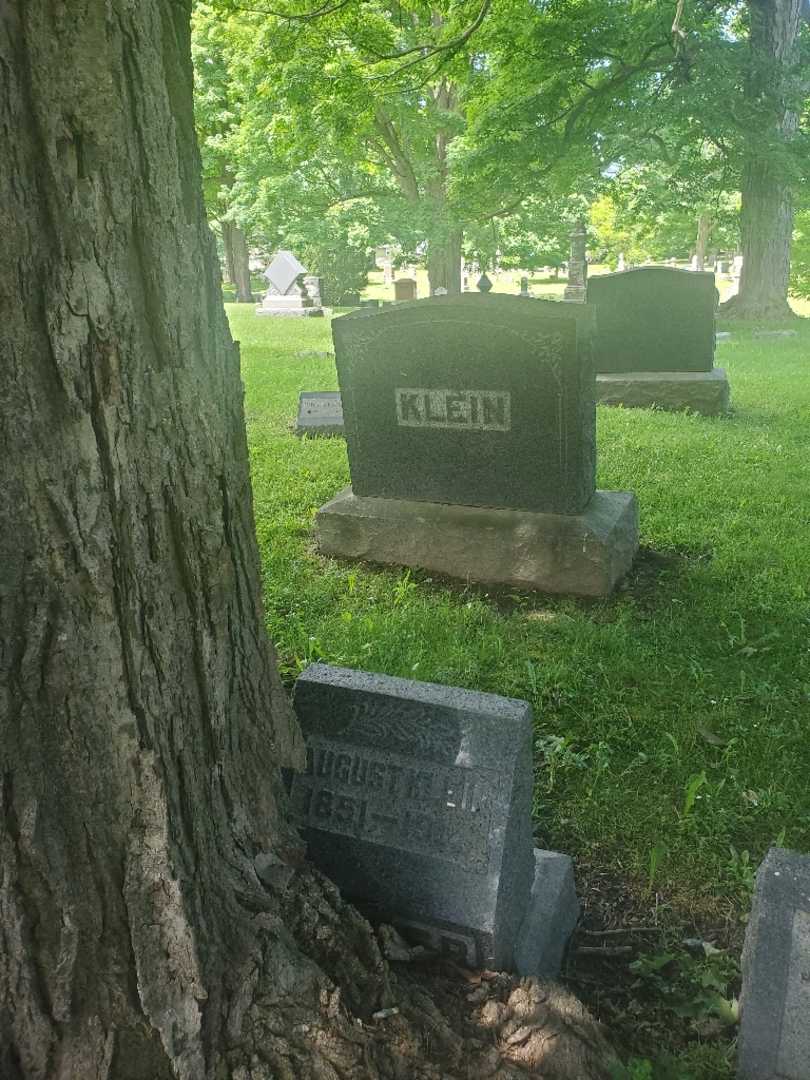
x=156, y=917
x=237, y=261
x=142, y=719
x=766, y=214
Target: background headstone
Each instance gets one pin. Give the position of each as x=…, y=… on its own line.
x=290, y=289
x=320, y=412
x=774, y=1039
x=473, y=400
x=283, y=272
x=417, y=801
x=405, y=289
x=653, y=319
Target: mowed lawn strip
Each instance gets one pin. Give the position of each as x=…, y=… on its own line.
x=672, y=719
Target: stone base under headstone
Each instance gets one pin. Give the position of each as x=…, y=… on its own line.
x=705, y=392
x=576, y=554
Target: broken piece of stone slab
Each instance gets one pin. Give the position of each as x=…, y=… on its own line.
x=774, y=1040
x=416, y=801
x=704, y=392
x=582, y=554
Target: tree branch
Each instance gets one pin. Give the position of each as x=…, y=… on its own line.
x=431, y=50
x=309, y=16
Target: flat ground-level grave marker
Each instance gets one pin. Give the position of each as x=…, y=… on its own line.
x=320, y=412
x=416, y=802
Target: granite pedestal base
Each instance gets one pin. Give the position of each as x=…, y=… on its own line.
x=576, y=554
x=705, y=392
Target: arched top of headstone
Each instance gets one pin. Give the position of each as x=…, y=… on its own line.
x=283, y=271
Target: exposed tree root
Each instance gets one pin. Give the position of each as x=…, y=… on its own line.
x=435, y=1021
x=740, y=310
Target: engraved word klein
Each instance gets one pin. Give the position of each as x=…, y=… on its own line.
x=478, y=410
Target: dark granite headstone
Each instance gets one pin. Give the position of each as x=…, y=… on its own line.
x=774, y=1041
x=319, y=413
x=416, y=802
x=404, y=289
x=653, y=319
x=479, y=400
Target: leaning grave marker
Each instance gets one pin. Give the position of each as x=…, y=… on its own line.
x=416, y=802
x=774, y=1040
x=470, y=428
x=656, y=340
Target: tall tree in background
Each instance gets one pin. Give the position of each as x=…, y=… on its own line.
x=366, y=110
x=217, y=110
x=157, y=919
x=359, y=103
x=666, y=88
x=775, y=87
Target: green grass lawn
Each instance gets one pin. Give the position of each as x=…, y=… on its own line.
x=672, y=720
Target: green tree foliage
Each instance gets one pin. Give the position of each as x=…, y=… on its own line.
x=483, y=125
x=356, y=130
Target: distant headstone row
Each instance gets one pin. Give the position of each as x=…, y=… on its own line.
x=416, y=801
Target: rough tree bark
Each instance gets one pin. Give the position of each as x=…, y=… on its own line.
x=156, y=917
x=766, y=214
x=237, y=261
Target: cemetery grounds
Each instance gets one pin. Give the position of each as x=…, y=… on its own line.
x=671, y=720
